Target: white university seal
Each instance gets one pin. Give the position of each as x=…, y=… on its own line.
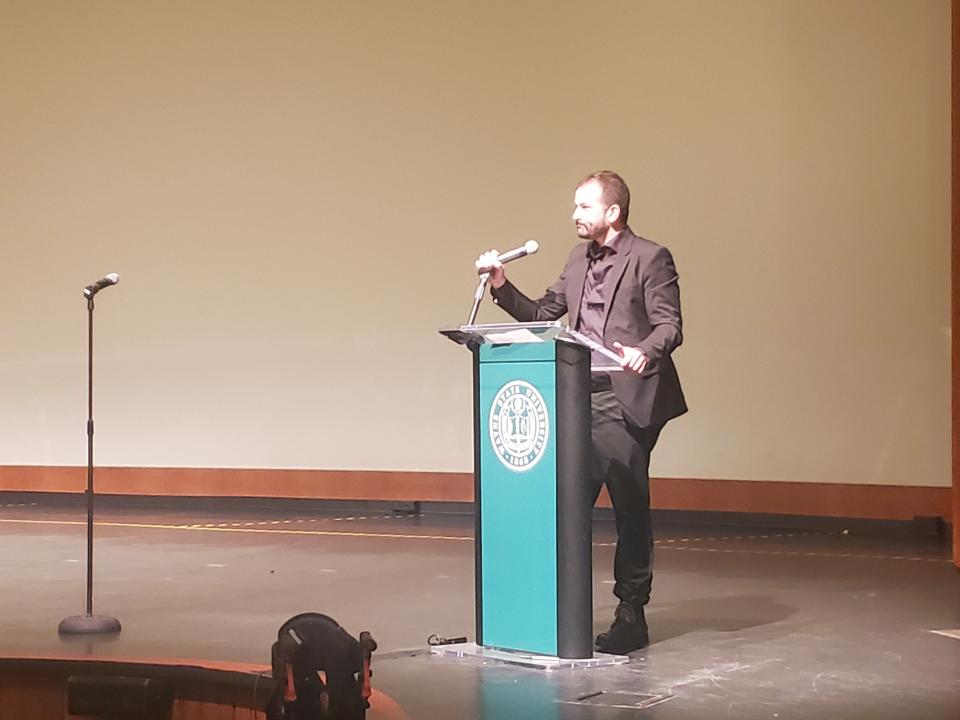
x=519, y=425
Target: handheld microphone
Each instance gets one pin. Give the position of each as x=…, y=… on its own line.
x=528, y=248
x=106, y=281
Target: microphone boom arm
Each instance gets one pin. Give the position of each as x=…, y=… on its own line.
x=478, y=296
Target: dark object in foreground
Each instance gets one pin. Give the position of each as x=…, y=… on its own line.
x=321, y=670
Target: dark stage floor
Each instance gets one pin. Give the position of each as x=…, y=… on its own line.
x=746, y=623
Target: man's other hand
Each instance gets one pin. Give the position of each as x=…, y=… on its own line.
x=631, y=358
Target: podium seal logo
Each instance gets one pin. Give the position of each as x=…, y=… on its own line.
x=519, y=425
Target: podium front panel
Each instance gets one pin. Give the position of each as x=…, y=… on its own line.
x=516, y=429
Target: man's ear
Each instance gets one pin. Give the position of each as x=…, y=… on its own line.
x=612, y=213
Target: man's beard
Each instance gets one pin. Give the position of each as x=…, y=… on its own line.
x=591, y=232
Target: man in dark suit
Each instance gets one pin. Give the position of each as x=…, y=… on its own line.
x=620, y=290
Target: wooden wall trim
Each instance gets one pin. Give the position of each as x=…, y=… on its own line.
x=881, y=502
x=245, y=482
x=888, y=502
x=955, y=264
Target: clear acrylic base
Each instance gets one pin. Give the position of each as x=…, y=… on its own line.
x=526, y=659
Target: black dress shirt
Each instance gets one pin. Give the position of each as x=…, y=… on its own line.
x=594, y=300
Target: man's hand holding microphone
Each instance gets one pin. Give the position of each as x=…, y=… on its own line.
x=489, y=262
x=492, y=261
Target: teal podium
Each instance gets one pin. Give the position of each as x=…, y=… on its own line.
x=533, y=499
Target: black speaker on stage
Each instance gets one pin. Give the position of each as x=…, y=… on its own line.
x=119, y=698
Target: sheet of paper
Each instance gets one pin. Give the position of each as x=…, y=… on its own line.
x=517, y=335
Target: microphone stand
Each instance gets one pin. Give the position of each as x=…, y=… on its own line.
x=477, y=297
x=88, y=623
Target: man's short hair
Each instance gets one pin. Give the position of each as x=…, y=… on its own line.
x=614, y=190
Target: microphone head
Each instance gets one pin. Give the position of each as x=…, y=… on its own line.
x=114, y=278
x=531, y=246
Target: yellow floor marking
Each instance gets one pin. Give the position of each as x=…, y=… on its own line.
x=148, y=526
x=406, y=536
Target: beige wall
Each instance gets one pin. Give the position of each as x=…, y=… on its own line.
x=294, y=193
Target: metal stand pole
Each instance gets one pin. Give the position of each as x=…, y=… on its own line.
x=89, y=623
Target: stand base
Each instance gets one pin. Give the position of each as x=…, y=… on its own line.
x=526, y=659
x=88, y=625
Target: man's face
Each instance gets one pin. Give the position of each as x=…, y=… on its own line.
x=590, y=215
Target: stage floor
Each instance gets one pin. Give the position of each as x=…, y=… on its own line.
x=745, y=622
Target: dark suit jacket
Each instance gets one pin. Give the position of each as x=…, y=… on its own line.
x=642, y=310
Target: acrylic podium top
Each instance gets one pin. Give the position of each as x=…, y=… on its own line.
x=473, y=336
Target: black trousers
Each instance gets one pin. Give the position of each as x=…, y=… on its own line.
x=621, y=461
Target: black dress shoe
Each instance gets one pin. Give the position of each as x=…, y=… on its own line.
x=628, y=632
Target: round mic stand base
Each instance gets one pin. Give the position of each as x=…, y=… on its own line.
x=88, y=625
